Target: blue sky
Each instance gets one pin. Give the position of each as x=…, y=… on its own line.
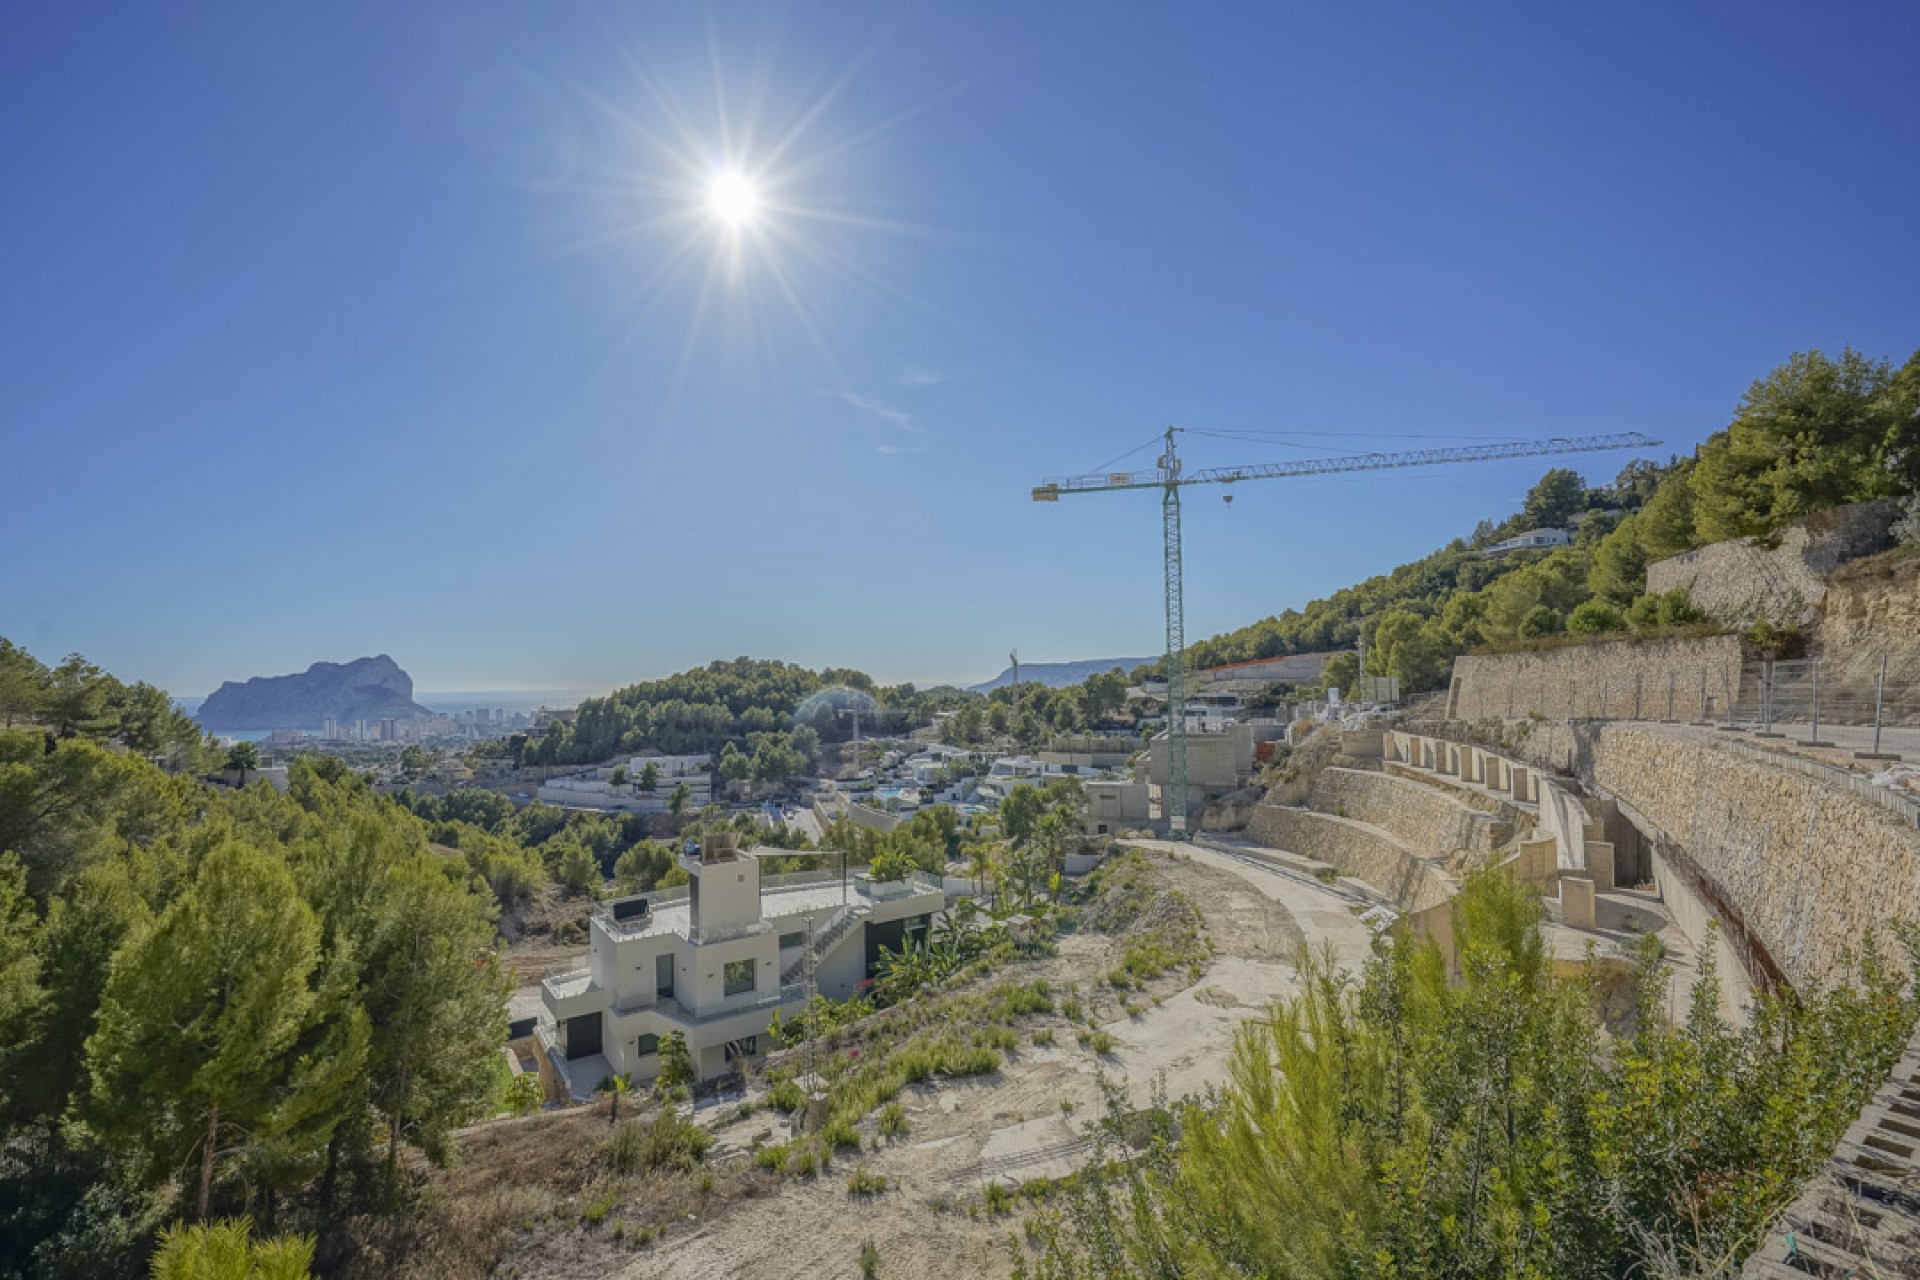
x=332, y=330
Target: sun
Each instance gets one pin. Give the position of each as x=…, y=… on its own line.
x=733, y=199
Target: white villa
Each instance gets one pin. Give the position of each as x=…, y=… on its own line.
x=1530, y=540
x=1009, y=772
x=715, y=959
x=596, y=789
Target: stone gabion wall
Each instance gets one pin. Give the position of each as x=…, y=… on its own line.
x=1808, y=867
x=1356, y=850
x=1617, y=679
x=1742, y=582
x=1431, y=822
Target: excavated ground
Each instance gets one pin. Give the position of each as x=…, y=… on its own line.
x=1010, y=1126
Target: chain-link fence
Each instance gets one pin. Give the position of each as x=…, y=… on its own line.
x=1806, y=696
x=1818, y=696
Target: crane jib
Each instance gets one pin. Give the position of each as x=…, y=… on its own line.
x=1052, y=489
x=1169, y=478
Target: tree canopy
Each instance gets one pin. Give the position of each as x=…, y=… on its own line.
x=212, y=999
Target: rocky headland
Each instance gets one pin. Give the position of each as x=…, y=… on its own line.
x=364, y=689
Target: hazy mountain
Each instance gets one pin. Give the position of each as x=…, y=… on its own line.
x=364, y=689
x=1057, y=675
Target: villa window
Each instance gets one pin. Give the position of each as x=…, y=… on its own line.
x=647, y=1044
x=788, y=940
x=738, y=977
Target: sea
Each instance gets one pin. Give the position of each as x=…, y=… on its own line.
x=449, y=702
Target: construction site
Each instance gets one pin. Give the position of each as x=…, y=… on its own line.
x=1691, y=795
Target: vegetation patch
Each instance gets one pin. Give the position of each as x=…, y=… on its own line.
x=663, y=1141
x=1405, y=1122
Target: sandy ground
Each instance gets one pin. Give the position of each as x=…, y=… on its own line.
x=1031, y=1119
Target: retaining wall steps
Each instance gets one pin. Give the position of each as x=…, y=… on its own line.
x=1358, y=849
x=1434, y=822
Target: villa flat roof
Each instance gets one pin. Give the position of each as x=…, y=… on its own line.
x=775, y=904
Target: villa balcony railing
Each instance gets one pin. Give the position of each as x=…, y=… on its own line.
x=657, y=898
x=673, y=1011
x=573, y=982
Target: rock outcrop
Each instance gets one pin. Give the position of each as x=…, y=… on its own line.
x=1781, y=580
x=364, y=689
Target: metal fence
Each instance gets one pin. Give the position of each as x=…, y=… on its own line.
x=1808, y=692
x=1865, y=710
x=1761, y=695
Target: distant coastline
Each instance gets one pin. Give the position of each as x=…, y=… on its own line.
x=445, y=701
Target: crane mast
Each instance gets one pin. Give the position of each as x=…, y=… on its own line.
x=1169, y=477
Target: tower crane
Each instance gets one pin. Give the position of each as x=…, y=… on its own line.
x=1168, y=477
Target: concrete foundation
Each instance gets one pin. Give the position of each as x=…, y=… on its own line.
x=1576, y=902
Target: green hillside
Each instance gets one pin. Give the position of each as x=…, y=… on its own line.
x=1816, y=432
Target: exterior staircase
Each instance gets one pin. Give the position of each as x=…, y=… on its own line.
x=825, y=938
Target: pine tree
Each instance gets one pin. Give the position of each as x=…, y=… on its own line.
x=194, y=1058
x=437, y=1003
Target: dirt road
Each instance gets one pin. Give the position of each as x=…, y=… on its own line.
x=1029, y=1120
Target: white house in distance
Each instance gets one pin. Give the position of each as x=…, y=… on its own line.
x=715, y=958
x=1530, y=540
x=596, y=789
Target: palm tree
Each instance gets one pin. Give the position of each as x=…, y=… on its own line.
x=616, y=1087
x=980, y=862
x=243, y=756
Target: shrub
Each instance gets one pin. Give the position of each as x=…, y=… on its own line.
x=1594, y=618
x=839, y=1134
x=893, y=1120
x=773, y=1156
x=1541, y=620
x=596, y=1211
x=664, y=1141
x=999, y=1199
x=1043, y=1036
x=865, y=1182
x=1100, y=1042
x=869, y=1260
x=1030, y=997
x=1673, y=608
x=787, y=1097
x=1906, y=530
x=978, y=1061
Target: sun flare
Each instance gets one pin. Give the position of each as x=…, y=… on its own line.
x=733, y=199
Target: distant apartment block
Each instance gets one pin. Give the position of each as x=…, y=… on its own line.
x=715, y=958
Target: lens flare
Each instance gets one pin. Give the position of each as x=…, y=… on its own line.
x=733, y=199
